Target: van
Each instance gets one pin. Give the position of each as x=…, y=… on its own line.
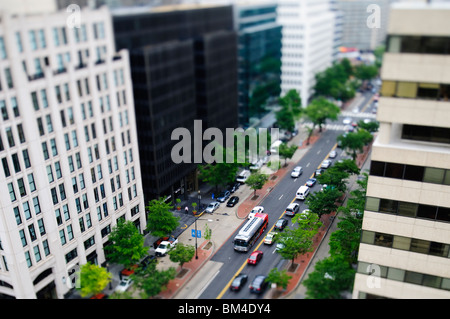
x=302, y=192
x=242, y=177
x=274, y=147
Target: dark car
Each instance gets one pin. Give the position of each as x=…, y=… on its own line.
x=238, y=282
x=259, y=284
x=281, y=224
x=223, y=196
x=147, y=261
x=310, y=182
x=234, y=187
x=232, y=201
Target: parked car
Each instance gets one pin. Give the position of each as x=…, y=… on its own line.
x=124, y=284
x=222, y=197
x=259, y=284
x=310, y=182
x=164, y=247
x=347, y=120
x=255, y=257
x=332, y=154
x=281, y=224
x=326, y=164
x=147, y=261
x=270, y=238
x=242, y=177
x=232, y=201
x=234, y=187
x=212, y=207
x=292, y=209
x=256, y=209
x=238, y=282
x=256, y=165
x=161, y=239
x=304, y=214
x=296, y=172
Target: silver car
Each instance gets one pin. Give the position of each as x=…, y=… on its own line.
x=297, y=171
x=212, y=207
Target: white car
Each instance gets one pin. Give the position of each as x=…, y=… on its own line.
x=304, y=214
x=326, y=164
x=212, y=207
x=256, y=209
x=297, y=171
x=256, y=165
x=164, y=247
x=332, y=154
x=124, y=284
x=347, y=120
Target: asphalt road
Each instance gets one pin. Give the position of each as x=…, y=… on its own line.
x=234, y=263
x=274, y=204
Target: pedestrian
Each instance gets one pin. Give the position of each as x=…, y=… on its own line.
x=186, y=209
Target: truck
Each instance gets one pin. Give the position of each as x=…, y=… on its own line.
x=165, y=246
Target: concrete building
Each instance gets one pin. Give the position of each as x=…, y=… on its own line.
x=307, y=43
x=405, y=243
x=364, y=22
x=68, y=147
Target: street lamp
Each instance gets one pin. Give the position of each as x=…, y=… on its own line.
x=199, y=199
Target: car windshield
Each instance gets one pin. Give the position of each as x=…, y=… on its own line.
x=252, y=257
x=162, y=246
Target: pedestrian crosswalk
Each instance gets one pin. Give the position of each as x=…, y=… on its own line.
x=358, y=115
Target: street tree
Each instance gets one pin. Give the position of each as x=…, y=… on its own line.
x=151, y=281
x=280, y=278
x=331, y=277
x=324, y=202
x=299, y=240
x=319, y=111
x=161, y=221
x=127, y=244
x=365, y=72
x=181, y=254
x=355, y=141
x=336, y=176
x=371, y=126
x=286, y=151
x=290, y=110
x=93, y=279
x=256, y=181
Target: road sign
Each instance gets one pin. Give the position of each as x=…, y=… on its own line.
x=199, y=233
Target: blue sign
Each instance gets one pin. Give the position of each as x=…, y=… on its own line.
x=199, y=233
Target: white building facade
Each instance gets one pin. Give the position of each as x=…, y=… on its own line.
x=70, y=160
x=307, y=43
x=405, y=240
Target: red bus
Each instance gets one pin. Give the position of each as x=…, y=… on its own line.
x=250, y=232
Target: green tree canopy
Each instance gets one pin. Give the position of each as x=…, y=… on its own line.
x=324, y=202
x=331, y=276
x=152, y=281
x=127, y=244
x=93, y=279
x=256, y=181
x=290, y=110
x=286, y=151
x=280, y=278
x=319, y=111
x=181, y=253
x=160, y=222
x=355, y=141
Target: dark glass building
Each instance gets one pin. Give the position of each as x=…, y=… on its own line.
x=259, y=53
x=183, y=67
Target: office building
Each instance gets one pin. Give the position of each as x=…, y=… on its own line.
x=364, y=22
x=259, y=58
x=405, y=240
x=68, y=147
x=184, y=67
x=307, y=43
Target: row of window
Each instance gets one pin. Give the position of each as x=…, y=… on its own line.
x=413, y=90
x=418, y=44
x=410, y=172
x=16, y=163
x=4, y=108
x=406, y=243
x=426, y=133
x=408, y=209
x=402, y=275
